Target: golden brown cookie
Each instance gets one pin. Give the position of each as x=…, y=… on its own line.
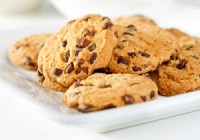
x=181, y=73
x=141, y=48
x=101, y=91
x=74, y=52
x=186, y=40
x=24, y=53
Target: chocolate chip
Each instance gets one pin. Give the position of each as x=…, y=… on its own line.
x=190, y=47
x=107, y=25
x=122, y=61
x=118, y=48
x=40, y=69
x=70, y=68
x=76, y=53
x=64, y=43
x=128, y=99
x=144, y=54
x=84, y=107
x=152, y=94
x=87, y=32
x=131, y=54
x=77, y=84
x=109, y=106
x=105, y=86
x=41, y=79
x=132, y=27
x=57, y=71
x=135, y=68
x=66, y=56
x=173, y=57
x=116, y=34
x=28, y=61
x=93, y=57
x=143, y=98
x=102, y=70
x=103, y=18
x=39, y=73
x=78, y=71
x=82, y=43
x=127, y=33
x=182, y=64
x=92, y=47
x=165, y=63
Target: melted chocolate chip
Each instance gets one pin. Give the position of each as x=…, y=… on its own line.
x=128, y=99
x=86, y=18
x=92, y=47
x=131, y=54
x=190, y=47
x=78, y=71
x=152, y=94
x=105, y=86
x=79, y=62
x=88, y=32
x=103, y=18
x=165, y=63
x=127, y=33
x=143, y=98
x=28, y=61
x=66, y=56
x=39, y=73
x=93, y=57
x=107, y=25
x=132, y=27
x=122, y=61
x=135, y=68
x=109, y=106
x=70, y=68
x=76, y=53
x=173, y=57
x=64, y=43
x=182, y=64
x=124, y=41
x=102, y=70
x=82, y=43
x=17, y=47
x=118, y=48
x=144, y=54
x=57, y=71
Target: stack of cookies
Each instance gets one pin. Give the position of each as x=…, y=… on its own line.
x=102, y=64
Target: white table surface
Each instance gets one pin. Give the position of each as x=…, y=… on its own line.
x=18, y=122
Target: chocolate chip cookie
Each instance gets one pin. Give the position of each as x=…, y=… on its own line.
x=181, y=73
x=141, y=48
x=24, y=53
x=101, y=91
x=74, y=52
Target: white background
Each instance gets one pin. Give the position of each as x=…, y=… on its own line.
x=18, y=122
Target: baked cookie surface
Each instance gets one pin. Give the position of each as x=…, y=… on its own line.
x=101, y=91
x=186, y=40
x=177, y=33
x=75, y=51
x=132, y=19
x=141, y=48
x=181, y=73
x=24, y=53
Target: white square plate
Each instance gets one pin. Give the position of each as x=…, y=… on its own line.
x=23, y=84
